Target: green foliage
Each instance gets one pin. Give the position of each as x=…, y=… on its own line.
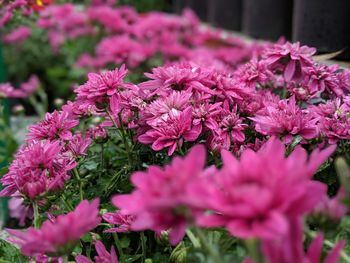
x=10, y=253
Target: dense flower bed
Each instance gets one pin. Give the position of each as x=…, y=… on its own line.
x=225, y=153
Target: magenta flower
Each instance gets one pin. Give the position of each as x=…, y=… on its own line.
x=19, y=210
x=122, y=221
x=290, y=248
x=334, y=122
x=177, y=77
x=103, y=255
x=100, y=86
x=78, y=145
x=324, y=78
x=286, y=119
x=284, y=191
x=56, y=125
x=290, y=58
x=172, y=132
x=18, y=35
x=38, y=167
x=159, y=199
x=58, y=238
x=229, y=126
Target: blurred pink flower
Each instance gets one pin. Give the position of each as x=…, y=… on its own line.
x=103, y=256
x=254, y=197
x=122, y=221
x=159, y=199
x=59, y=237
x=18, y=35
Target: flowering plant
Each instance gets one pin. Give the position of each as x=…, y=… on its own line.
x=214, y=156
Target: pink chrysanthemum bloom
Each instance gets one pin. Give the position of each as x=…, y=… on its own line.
x=172, y=132
x=254, y=197
x=78, y=145
x=100, y=86
x=8, y=91
x=178, y=77
x=290, y=58
x=286, y=119
x=56, y=125
x=59, y=237
x=229, y=126
x=79, y=108
x=253, y=73
x=103, y=256
x=159, y=110
x=122, y=221
x=324, y=78
x=159, y=199
x=38, y=167
x=334, y=121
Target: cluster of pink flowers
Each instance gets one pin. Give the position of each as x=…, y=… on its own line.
x=251, y=198
x=25, y=90
x=58, y=235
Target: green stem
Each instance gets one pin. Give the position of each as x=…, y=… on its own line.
x=193, y=239
x=143, y=245
x=76, y=174
x=36, y=215
x=65, y=259
x=66, y=203
x=204, y=242
x=329, y=244
x=123, y=135
x=117, y=244
x=254, y=251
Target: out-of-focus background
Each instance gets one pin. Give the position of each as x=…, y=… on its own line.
x=46, y=52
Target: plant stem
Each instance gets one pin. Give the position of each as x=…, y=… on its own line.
x=65, y=259
x=66, y=203
x=254, y=251
x=143, y=245
x=117, y=244
x=36, y=215
x=193, y=239
x=76, y=174
x=123, y=135
x=204, y=242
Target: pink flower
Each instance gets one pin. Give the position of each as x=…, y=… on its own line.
x=172, y=132
x=286, y=119
x=100, y=86
x=177, y=77
x=290, y=58
x=103, y=255
x=254, y=197
x=38, y=167
x=159, y=199
x=18, y=35
x=78, y=145
x=122, y=221
x=290, y=248
x=228, y=125
x=253, y=73
x=324, y=78
x=31, y=85
x=59, y=237
x=56, y=125
x=19, y=210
